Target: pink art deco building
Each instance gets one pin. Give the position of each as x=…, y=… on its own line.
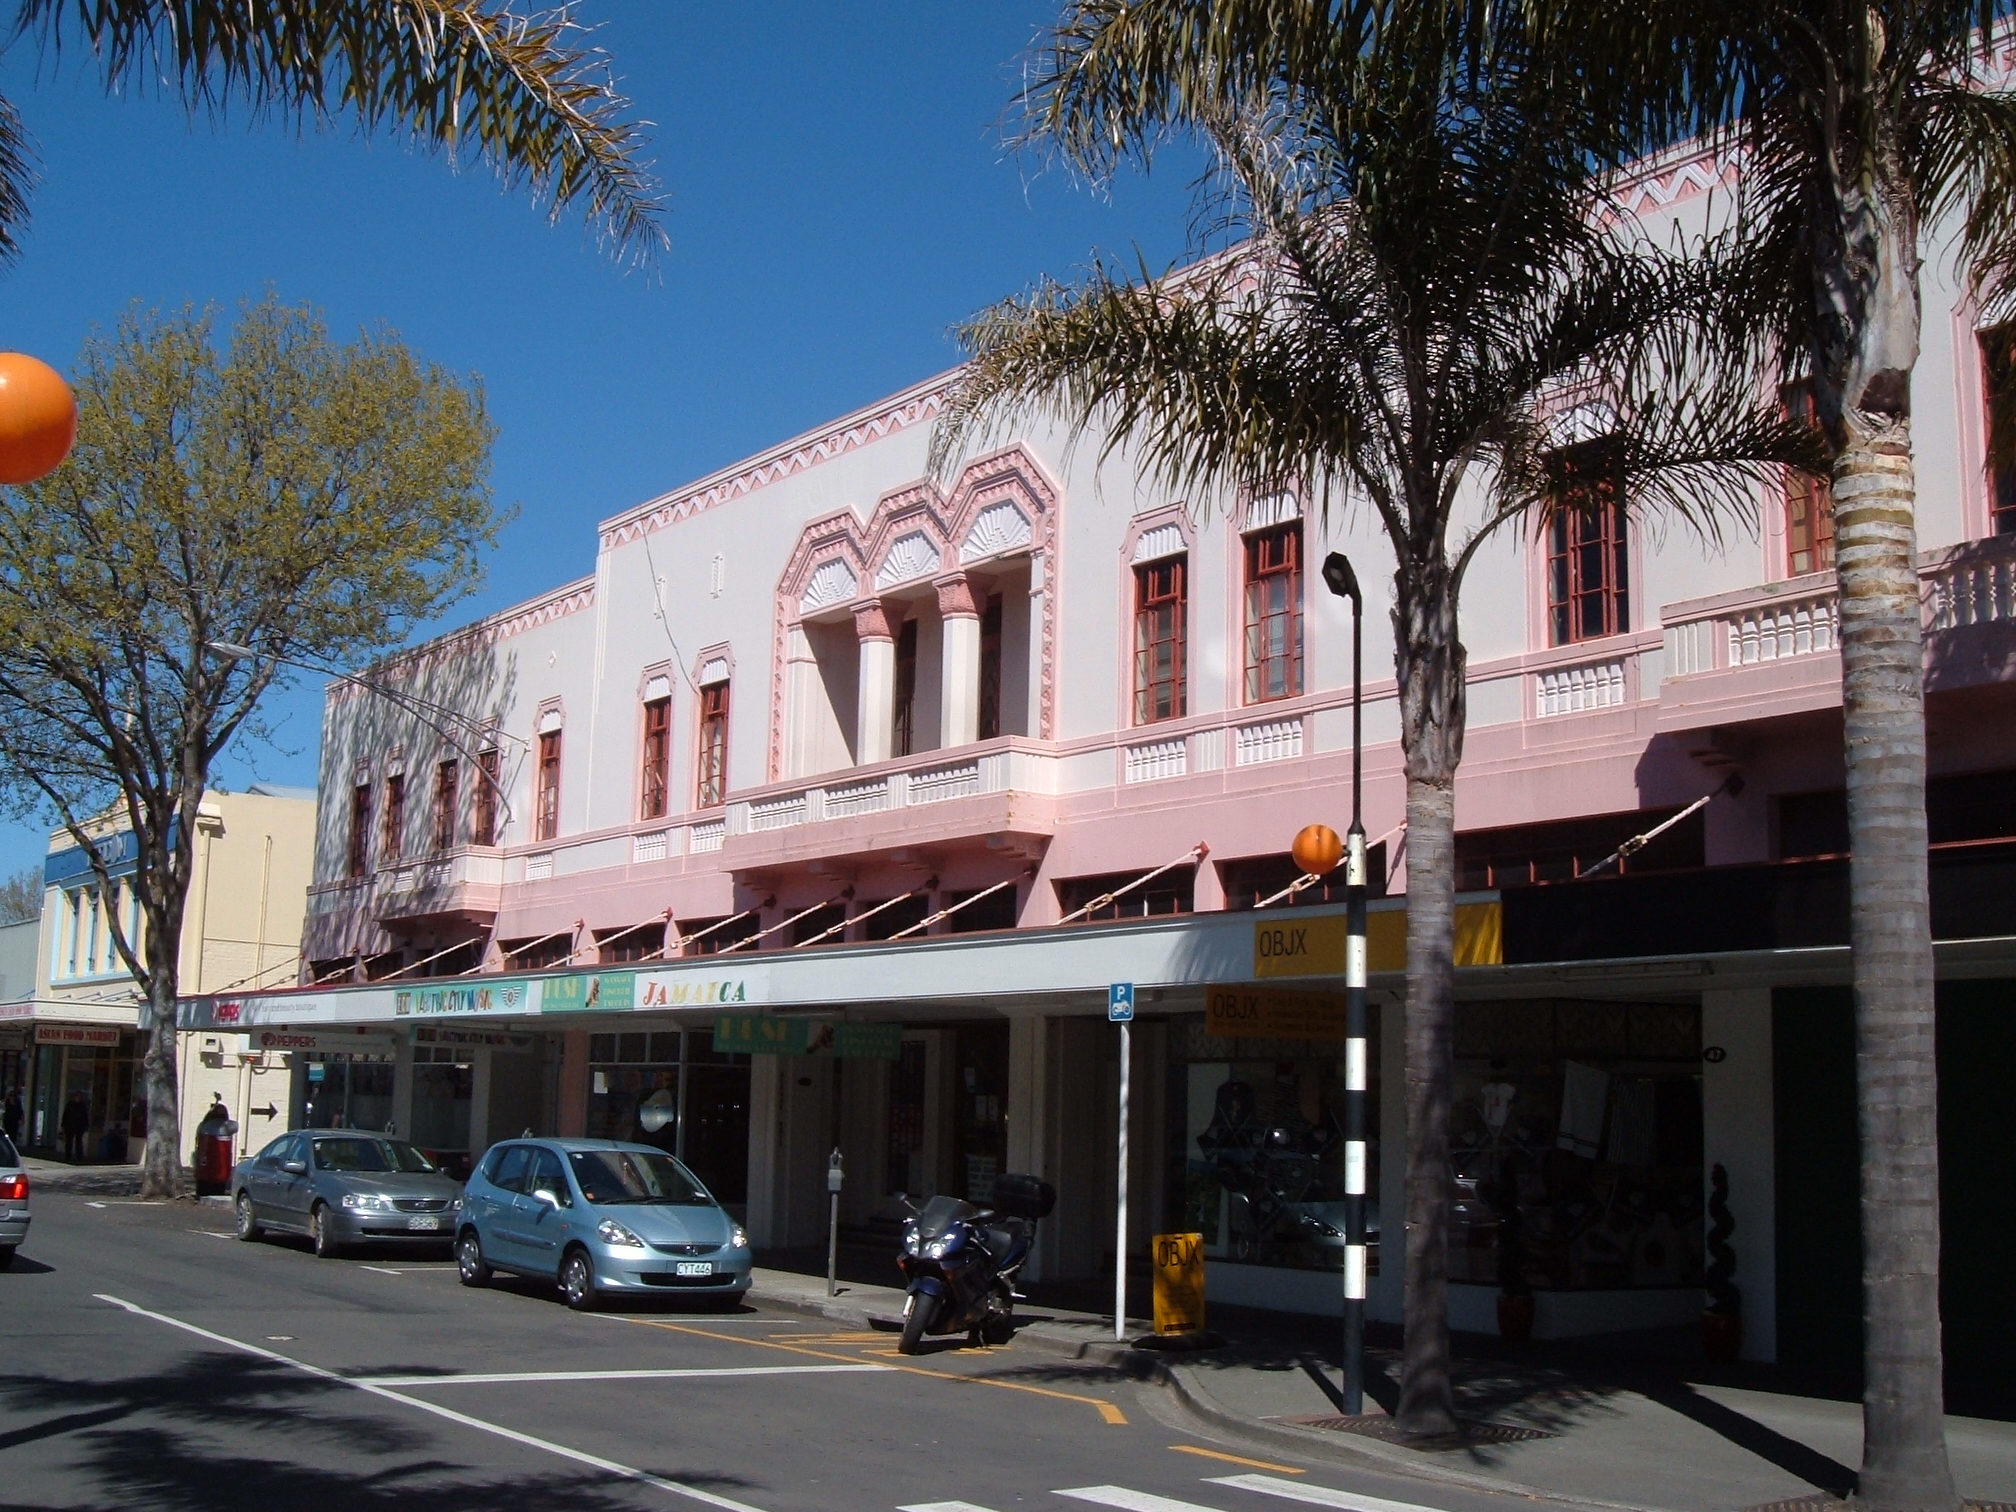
x=826, y=740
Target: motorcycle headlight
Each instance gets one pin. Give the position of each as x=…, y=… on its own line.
x=612, y=1232
x=940, y=1247
x=369, y=1202
x=737, y=1238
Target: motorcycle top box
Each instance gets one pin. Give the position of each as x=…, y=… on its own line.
x=1018, y=1196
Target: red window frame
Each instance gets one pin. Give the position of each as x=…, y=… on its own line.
x=395, y=816
x=712, y=784
x=655, y=795
x=1809, y=501
x=1274, y=614
x=360, y=830
x=1588, y=548
x=483, y=819
x=546, y=815
x=1998, y=395
x=447, y=798
x=1161, y=636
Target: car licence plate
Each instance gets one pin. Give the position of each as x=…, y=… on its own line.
x=424, y=1224
x=694, y=1268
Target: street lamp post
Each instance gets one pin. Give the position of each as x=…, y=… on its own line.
x=1342, y=581
x=419, y=708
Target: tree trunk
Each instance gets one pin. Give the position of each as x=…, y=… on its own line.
x=161, y=1160
x=1429, y=661
x=1904, y=1465
x=1427, y=1399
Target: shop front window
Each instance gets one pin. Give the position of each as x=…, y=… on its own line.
x=647, y=1087
x=347, y=1093
x=1575, y=1141
x=1260, y=1123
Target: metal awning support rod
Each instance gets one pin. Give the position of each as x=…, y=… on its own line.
x=867, y=913
x=1310, y=879
x=426, y=960
x=1731, y=784
x=840, y=897
x=233, y=986
x=663, y=918
x=1190, y=857
x=946, y=913
x=531, y=945
x=683, y=940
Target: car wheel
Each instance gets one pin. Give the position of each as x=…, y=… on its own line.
x=470, y=1266
x=248, y=1225
x=577, y=1281
x=326, y=1247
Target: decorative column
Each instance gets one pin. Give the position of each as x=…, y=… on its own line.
x=875, y=697
x=959, y=701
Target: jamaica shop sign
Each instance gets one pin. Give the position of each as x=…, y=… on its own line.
x=760, y=1034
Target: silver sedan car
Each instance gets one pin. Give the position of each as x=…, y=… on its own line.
x=13, y=1202
x=345, y=1188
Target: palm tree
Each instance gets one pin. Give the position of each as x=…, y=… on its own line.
x=1859, y=122
x=1420, y=284
x=517, y=91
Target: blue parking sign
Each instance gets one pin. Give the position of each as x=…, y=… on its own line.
x=1120, y=1003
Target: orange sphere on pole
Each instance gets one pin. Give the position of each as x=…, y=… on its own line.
x=38, y=418
x=1317, y=849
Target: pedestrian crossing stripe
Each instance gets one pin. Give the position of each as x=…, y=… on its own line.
x=1315, y=1496
x=942, y=1507
x=1131, y=1501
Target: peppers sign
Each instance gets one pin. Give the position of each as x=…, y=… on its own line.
x=758, y=1034
x=1179, y=1283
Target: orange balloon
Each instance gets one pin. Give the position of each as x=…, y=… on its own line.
x=1317, y=849
x=38, y=418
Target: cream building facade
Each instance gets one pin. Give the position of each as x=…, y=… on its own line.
x=77, y=1029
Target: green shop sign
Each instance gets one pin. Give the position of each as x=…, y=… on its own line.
x=759, y=1034
x=602, y=992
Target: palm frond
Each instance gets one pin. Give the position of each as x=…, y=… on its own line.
x=17, y=179
x=521, y=92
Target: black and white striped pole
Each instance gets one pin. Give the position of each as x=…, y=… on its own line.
x=1342, y=581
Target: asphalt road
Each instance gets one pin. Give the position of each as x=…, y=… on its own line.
x=148, y=1359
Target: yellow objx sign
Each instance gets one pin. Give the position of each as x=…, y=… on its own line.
x=1179, y=1283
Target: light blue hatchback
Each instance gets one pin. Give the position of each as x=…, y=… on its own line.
x=598, y=1217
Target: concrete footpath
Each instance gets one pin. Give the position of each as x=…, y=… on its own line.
x=1593, y=1433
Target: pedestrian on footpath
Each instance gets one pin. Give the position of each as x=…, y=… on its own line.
x=76, y=1124
x=11, y=1116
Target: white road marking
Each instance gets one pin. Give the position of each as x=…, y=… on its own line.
x=1130, y=1501
x=214, y=1233
x=1315, y=1496
x=613, y=1375
x=579, y=1457
x=381, y=1270
x=94, y=1204
x=944, y=1507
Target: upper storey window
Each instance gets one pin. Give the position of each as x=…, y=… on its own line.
x=546, y=812
x=1998, y=371
x=1161, y=633
x=990, y=668
x=395, y=816
x=483, y=815
x=903, y=718
x=447, y=794
x=1274, y=613
x=713, y=754
x=1588, y=547
x=1809, y=502
x=360, y=829
x=657, y=757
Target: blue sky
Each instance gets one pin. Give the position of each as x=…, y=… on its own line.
x=839, y=196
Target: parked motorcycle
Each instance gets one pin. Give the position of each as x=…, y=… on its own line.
x=959, y=1261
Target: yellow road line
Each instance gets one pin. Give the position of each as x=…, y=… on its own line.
x=1235, y=1459
x=1106, y=1410
x=834, y=1338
